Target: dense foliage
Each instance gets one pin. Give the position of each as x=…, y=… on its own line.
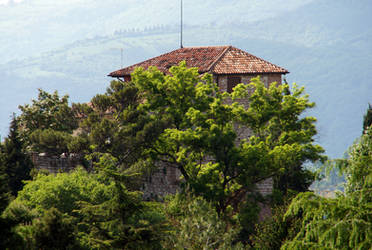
x=183, y=120
x=15, y=160
x=197, y=225
x=15, y=167
x=46, y=125
x=87, y=210
x=344, y=222
x=367, y=119
x=197, y=122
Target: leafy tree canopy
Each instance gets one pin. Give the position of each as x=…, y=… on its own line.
x=62, y=191
x=196, y=225
x=183, y=119
x=48, y=111
x=93, y=211
x=196, y=130
x=344, y=222
x=47, y=123
x=223, y=144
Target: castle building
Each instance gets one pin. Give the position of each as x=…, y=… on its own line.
x=229, y=67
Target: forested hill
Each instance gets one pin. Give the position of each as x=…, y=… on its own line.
x=72, y=46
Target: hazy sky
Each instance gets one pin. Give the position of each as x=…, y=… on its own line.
x=5, y=2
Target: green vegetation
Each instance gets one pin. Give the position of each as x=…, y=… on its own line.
x=14, y=159
x=367, y=119
x=46, y=125
x=184, y=121
x=344, y=222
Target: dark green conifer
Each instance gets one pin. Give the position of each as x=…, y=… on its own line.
x=16, y=162
x=8, y=239
x=367, y=119
x=4, y=188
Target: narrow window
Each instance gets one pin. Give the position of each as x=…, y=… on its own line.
x=232, y=81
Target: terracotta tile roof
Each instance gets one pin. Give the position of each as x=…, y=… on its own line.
x=214, y=59
x=236, y=61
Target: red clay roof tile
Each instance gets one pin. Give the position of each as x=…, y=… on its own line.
x=214, y=59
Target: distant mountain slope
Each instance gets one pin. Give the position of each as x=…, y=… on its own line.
x=326, y=45
x=35, y=26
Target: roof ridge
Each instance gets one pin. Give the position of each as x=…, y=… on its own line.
x=213, y=59
x=150, y=59
x=207, y=46
x=213, y=64
x=245, y=52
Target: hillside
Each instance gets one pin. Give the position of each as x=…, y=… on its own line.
x=326, y=45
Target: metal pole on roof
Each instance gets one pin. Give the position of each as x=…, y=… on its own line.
x=121, y=58
x=181, y=22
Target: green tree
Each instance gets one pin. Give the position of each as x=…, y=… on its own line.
x=344, y=222
x=96, y=210
x=274, y=230
x=61, y=191
x=54, y=231
x=276, y=116
x=113, y=123
x=4, y=180
x=15, y=160
x=50, y=141
x=196, y=225
x=47, y=123
x=7, y=236
x=367, y=119
x=48, y=111
x=123, y=221
x=184, y=120
x=196, y=131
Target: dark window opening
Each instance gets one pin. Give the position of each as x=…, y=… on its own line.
x=232, y=81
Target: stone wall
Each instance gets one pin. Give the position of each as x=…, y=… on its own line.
x=161, y=182
x=265, y=187
x=166, y=179
x=267, y=79
x=55, y=164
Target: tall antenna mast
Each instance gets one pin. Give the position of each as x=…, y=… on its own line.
x=181, y=23
x=121, y=58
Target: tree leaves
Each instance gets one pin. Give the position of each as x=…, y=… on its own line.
x=344, y=222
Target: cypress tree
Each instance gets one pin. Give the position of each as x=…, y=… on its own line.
x=4, y=179
x=8, y=239
x=16, y=162
x=367, y=119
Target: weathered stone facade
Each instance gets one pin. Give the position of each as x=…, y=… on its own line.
x=266, y=78
x=55, y=164
x=163, y=181
x=228, y=65
x=166, y=179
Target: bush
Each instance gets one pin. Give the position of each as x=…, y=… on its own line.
x=196, y=225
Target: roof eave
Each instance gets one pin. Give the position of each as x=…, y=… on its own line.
x=249, y=73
